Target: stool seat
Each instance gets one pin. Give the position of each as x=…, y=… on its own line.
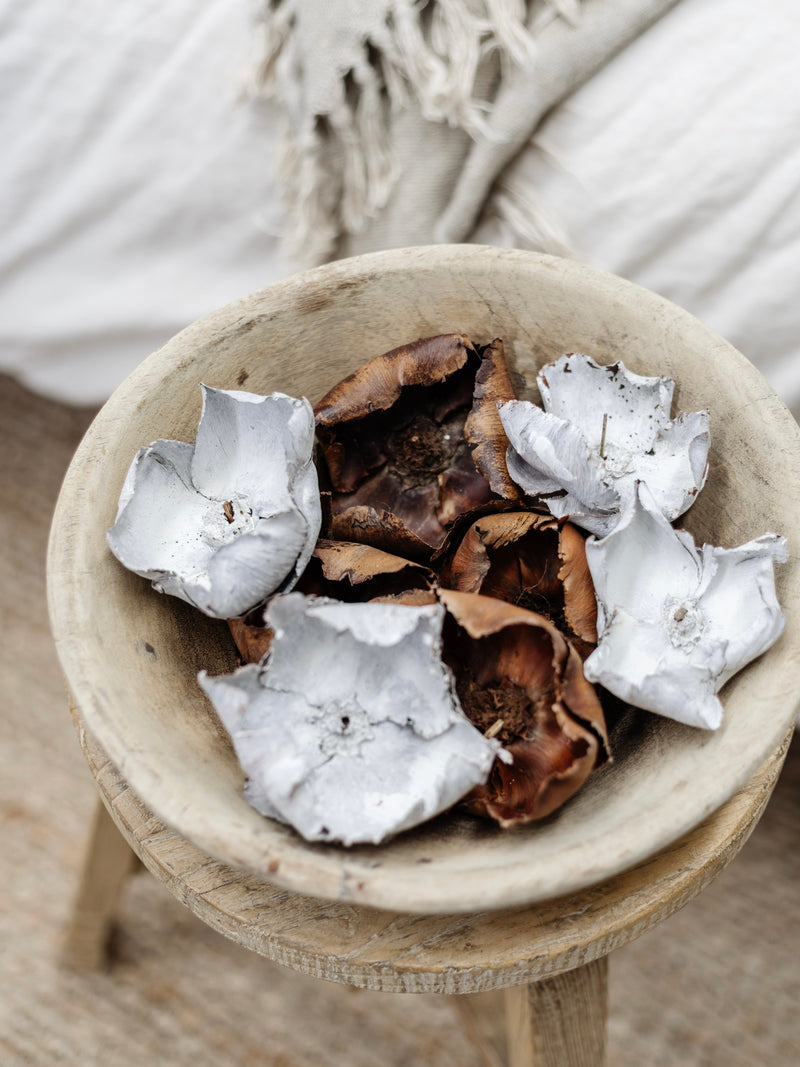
x=546, y=956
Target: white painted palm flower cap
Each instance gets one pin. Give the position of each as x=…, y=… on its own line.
x=602, y=429
x=226, y=521
x=676, y=622
x=349, y=729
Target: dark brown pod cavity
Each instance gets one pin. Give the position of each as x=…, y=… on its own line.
x=529, y=559
x=412, y=440
x=519, y=680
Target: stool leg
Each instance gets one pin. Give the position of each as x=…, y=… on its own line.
x=108, y=862
x=559, y=1021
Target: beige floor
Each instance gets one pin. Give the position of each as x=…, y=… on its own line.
x=716, y=986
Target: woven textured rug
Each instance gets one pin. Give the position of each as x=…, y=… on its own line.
x=715, y=986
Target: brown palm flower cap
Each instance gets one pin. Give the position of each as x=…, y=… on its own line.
x=519, y=680
x=529, y=559
x=412, y=440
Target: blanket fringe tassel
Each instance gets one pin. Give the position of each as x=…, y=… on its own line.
x=336, y=170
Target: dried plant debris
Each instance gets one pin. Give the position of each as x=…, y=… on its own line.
x=339, y=570
x=445, y=592
x=347, y=570
x=251, y=636
x=483, y=428
x=350, y=730
x=602, y=430
x=676, y=622
x=412, y=440
x=520, y=682
x=227, y=521
x=529, y=559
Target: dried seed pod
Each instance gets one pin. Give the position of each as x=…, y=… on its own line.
x=349, y=730
x=412, y=440
x=520, y=682
x=226, y=521
x=672, y=634
x=529, y=559
x=602, y=430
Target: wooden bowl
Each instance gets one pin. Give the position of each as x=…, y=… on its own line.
x=131, y=656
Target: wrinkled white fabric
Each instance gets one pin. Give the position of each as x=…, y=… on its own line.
x=678, y=166
x=139, y=190
x=342, y=75
x=365, y=83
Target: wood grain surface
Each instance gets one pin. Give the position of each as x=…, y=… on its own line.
x=411, y=953
x=560, y=1020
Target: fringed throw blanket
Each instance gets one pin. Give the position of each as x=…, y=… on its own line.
x=402, y=115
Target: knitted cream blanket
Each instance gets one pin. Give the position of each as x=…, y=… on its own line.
x=402, y=115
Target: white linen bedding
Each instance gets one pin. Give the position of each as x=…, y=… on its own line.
x=139, y=188
x=678, y=166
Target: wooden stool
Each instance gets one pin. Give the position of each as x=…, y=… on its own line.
x=131, y=660
x=550, y=960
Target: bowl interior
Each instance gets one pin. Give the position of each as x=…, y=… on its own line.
x=131, y=656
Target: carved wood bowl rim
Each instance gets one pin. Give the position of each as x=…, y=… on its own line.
x=130, y=656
